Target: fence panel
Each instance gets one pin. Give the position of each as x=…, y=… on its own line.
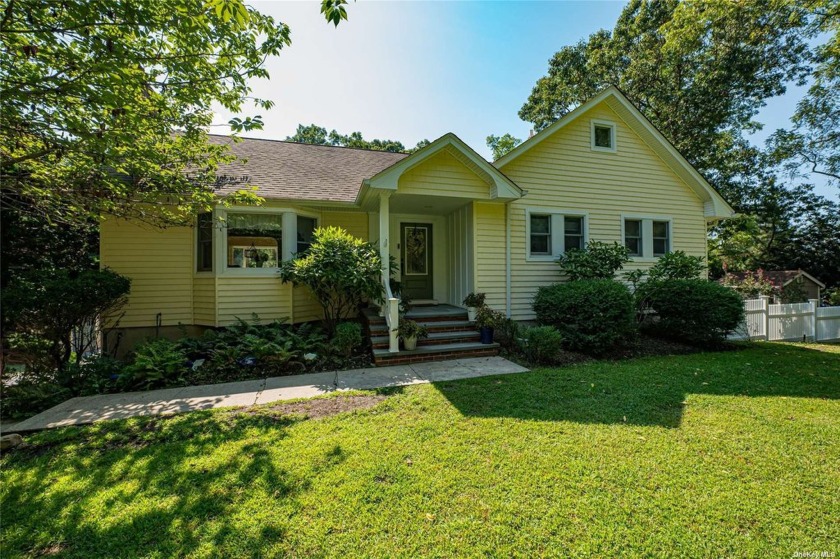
x=794, y=321
x=755, y=319
x=828, y=323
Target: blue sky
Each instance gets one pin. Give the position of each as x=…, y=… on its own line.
x=413, y=70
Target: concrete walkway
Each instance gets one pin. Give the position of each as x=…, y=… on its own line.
x=79, y=411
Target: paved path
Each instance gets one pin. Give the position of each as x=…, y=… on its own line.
x=79, y=411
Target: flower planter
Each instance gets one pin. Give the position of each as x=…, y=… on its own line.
x=471, y=311
x=486, y=333
x=410, y=343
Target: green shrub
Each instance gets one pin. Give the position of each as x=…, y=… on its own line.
x=157, y=363
x=597, y=261
x=348, y=336
x=341, y=270
x=507, y=334
x=28, y=397
x=541, y=344
x=50, y=304
x=696, y=311
x=96, y=374
x=592, y=316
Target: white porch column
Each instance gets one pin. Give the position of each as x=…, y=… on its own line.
x=384, y=232
x=390, y=305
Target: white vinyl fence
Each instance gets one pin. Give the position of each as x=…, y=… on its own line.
x=795, y=321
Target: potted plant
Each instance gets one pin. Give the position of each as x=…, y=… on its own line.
x=473, y=302
x=410, y=331
x=487, y=319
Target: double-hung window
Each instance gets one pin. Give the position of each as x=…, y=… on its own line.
x=633, y=239
x=204, y=240
x=552, y=233
x=540, y=243
x=661, y=238
x=647, y=237
x=305, y=233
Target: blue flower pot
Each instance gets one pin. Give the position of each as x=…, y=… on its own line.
x=486, y=333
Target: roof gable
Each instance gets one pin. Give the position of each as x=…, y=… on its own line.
x=715, y=207
x=501, y=187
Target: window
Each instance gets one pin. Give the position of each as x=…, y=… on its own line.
x=540, y=234
x=305, y=232
x=633, y=236
x=661, y=238
x=204, y=248
x=603, y=136
x=254, y=240
x=573, y=233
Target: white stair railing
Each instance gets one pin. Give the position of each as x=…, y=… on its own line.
x=391, y=311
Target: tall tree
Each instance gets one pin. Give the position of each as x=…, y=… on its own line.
x=105, y=104
x=314, y=134
x=500, y=145
x=699, y=71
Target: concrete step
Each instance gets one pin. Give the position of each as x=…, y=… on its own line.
x=435, y=338
x=441, y=326
x=438, y=352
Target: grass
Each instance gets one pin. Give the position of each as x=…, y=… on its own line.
x=717, y=454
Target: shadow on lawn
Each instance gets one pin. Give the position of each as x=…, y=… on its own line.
x=650, y=391
x=181, y=492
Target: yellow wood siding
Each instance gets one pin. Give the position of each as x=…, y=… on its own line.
x=564, y=173
x=355, y=223
x=159, y=263
x=490, y=253
x=241, y=297
x=204, y=300
x=443, y=175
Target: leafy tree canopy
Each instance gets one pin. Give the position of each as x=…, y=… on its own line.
x=106, y=104
x=700, y=71
x=500, y=145
x=314, y=134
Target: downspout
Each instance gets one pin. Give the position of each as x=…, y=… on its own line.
x=507, y=260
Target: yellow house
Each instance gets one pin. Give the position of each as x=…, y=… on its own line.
x=454, y=222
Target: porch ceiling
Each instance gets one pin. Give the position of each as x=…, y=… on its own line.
x=430, y=205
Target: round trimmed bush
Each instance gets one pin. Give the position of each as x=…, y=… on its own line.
x=692, y=310
x=592, y=316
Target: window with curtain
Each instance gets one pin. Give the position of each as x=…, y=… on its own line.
x=254, y=240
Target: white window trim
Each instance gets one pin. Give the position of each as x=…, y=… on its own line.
x=647, y=234
x=212, y=271
x=220, y=268
x=558, y=232
x=603, y=123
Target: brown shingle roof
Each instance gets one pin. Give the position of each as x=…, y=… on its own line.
x=289, y=170
x=778, y=278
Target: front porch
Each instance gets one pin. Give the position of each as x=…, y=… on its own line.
x=425, y=213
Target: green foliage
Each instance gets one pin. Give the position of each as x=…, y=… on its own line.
x=95, y=374
x=500, y=145
x=23, y=399
x=541, y=344
x=597, y=261
x=485, y=317
x=341, y=270
x=157, y=363
x=411, y=329
x=673, y=265
x=794, y=292
x=751, y=285
x=51, y=304
x=695, y=311
x=348, y=337
x=94, y=91
x=831, y=297
x=314, y=134
x=592, y=316
x=507, y=333
x=475, y=300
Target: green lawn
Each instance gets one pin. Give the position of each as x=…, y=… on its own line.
x=705, y=455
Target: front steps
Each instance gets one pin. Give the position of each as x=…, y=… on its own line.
x=451, y=336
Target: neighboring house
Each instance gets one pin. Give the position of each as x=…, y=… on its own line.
x=781, y=279
x=454, y=222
